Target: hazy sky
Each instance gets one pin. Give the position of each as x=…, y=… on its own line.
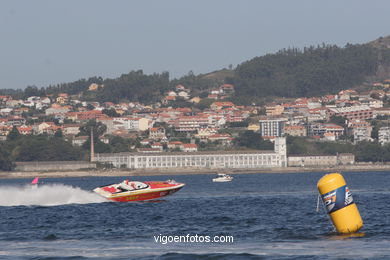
x=50, y=42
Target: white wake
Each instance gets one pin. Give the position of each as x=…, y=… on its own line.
x=46, y=195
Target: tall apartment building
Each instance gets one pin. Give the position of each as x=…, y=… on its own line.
x=272, y=127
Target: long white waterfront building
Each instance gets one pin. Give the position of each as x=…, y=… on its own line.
x=238, y=159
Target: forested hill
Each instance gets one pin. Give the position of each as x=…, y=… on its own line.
x=309, y=72
x=290, y=72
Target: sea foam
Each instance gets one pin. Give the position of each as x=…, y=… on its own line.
x=46, y=195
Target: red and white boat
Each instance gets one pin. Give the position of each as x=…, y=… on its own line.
x=137, y=191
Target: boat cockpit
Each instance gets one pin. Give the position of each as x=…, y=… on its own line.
x=131, y=186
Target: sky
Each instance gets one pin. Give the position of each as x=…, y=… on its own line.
x=57, y=41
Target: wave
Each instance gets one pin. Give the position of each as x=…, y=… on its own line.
x=46, y=195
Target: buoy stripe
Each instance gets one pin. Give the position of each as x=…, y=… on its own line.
x=337, y=199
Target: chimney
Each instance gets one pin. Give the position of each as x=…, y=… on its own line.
x=92, y=147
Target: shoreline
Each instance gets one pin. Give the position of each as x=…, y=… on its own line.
x=158, y=172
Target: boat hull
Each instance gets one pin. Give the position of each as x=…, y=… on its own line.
x=156, y=190
x=214, y=180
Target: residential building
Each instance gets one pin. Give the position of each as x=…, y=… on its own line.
x=361, y=130
x=16, y=121
x=183, y=95
x=191, y=123
x=221, y=105
x=45, y=127
x=204, y=133
x=4, y=131
x=145, y=142
x=314, y=103
x=329, y=137
x=274, y=110
x=383, y=111
x=346, y=94
x=226, y=89
x=157, y=146
x=253, y=127
x=79, y=140
x=361, y=134
x=180, y=88
x=108, y=122
x=319, y=129
x=85, y=116
x=189, y=148
x=295, y=130
x=213, y=96
x=25, y=130
x=195, y=100
x=224, y=139
x=62, y=98
x=57, y=109
x=384, y=135
x=354, y=112
x=157, y=133
x=93, y=87
x=175, y=145
x=133, y=123
x=168, y=99
x=272, y=126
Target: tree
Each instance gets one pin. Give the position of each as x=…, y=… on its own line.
x=312, y=71
x=338, y=120
x=13, y=134
x=369, y=152
x=204, y=103
x=99, y=146
x=58, y=133
x=44, y=148
x=98, y=129
x=5, y=162
x=296, y=145
x=110, y=112
x=90, y=107
x=31, y=91
x=119, y=144
x=253, y=140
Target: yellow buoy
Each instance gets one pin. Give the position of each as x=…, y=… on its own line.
x=339, y=203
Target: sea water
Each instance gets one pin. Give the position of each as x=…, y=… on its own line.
x=269, y=216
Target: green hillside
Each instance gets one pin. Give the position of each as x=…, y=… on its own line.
x=309, y=72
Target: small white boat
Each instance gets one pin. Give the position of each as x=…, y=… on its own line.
x=221, y=177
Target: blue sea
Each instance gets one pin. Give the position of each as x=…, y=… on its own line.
x=269, y=216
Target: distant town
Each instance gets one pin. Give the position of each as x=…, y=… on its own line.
x=160, y=129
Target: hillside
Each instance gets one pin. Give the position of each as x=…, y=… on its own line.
x=311, y=72
x=381, y=43
x=219, y=75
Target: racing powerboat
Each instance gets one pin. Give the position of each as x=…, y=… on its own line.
x=221, y=177
x=138, y=191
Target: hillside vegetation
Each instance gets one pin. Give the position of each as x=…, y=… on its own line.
x=308, y=72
